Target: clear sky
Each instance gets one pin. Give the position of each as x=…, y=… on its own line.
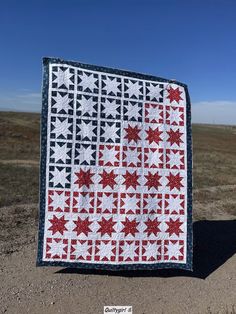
x=191, y=41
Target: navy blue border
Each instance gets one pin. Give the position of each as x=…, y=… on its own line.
x=43, y=159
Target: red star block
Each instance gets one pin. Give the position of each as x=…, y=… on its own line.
x=58, y=225
x=52, y=196
x=153, y=180
x=154, y=135
x=82, y=226
x=108, y=179
x=130, y=227
x=132, y=134
x=174, y=94
x=131, y=179
x=175, y=181
x=152, y=227
x=84, y=178
x=174, y=226
x=175, y=137
x=106, y=226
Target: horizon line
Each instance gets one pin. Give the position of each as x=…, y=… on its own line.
x=39, y=113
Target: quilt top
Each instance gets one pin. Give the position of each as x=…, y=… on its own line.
x=116, y=169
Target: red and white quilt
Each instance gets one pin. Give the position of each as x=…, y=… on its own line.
x=115, y=169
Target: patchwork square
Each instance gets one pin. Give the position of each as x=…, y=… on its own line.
x=174, y=204
x=86, y=106
x=132, y=156
x=133, y=111
x=175, y=115
x=116, y=170
x=151, y=250
x=152, y=203
x=175, y=159
x=174, y=250
x=109, y=155
x=174, y=137
x=153, y=157
x=154, y=91
x=59, y=200
x=154, y=113
x=59, y=176
x=61, y=128
x=111, y=85
x=60, y=152
x=107, y=202
x=56, y=248
x=62, y=103
x=130, y=203
x=110, y=132
x=154, y=135
x=110, y=108
x=85, y=154
x=83, y=178
x=105, y=250
x=129, y=251
x=83, y=202
x=81, y=250
x=133, y=89
x=132, y=134
x=88, y=82
x=175, y=95
x=108, y=180
x=62, y=77
x=86, y=130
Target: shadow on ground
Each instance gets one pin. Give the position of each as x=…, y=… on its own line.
x=214, y=244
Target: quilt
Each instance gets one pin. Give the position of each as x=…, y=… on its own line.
x=116, y=169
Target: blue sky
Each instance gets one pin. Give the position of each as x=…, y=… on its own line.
x=191, y=41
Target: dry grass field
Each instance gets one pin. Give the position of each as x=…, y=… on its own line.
x=27, y=289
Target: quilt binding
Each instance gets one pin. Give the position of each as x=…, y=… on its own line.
x=42, y=178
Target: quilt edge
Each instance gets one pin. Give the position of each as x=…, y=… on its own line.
x=123, y=72
x=43, y=143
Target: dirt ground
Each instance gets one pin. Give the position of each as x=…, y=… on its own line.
x=210, y=288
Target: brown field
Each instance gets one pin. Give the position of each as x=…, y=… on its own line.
x=27, y=289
